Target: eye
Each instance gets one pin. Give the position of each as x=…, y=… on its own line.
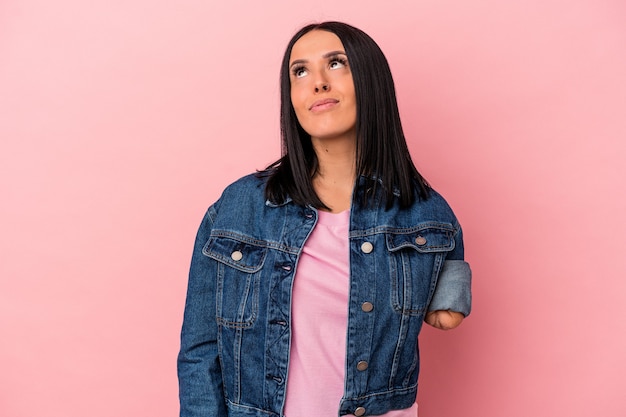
x=337, y=63
x=299, y=72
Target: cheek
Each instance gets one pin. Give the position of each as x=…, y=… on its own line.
x=297, y=98
x=298, y=103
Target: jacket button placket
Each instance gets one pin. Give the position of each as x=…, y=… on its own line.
x=366, y=307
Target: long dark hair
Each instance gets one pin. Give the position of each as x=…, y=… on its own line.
x=382, y=155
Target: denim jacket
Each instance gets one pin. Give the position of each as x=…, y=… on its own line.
x=235, y=337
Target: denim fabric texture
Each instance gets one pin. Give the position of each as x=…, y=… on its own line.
x=235, y=337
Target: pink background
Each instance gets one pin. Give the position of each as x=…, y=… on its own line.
x=121, y=121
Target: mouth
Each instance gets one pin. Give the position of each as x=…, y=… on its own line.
x=323, y=104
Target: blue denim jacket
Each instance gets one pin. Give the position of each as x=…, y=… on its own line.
x=235, y=337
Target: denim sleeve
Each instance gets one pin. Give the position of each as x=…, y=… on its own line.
x=199, y=373
x=453, y=291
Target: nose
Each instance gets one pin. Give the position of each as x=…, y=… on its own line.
x=322, y=86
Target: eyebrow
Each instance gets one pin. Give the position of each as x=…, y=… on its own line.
x=326, y=55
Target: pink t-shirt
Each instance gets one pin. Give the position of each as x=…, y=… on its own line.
x=319, y=321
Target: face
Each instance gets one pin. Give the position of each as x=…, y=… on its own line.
x=322, y=89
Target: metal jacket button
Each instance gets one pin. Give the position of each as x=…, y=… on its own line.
x=420, y=240
x=362, y=365
x=236, y=255
x=359, y=411
x=367, y=306
x=367, y=247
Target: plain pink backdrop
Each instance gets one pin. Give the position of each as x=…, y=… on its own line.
x=121, y=121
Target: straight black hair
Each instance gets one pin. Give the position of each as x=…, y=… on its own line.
x=382, y=155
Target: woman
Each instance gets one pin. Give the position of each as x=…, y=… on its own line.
x=310, y=281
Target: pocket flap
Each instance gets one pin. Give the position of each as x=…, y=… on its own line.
x=428, y=239
x=238, y=254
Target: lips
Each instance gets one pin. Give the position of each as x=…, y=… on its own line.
x=323, y=104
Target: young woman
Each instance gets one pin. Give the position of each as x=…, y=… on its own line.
x=310, y=281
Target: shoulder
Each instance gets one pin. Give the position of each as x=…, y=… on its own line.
x=433, y=208
x=251, y=184
x=244, y=194
x=434, y=198
x=243, y=210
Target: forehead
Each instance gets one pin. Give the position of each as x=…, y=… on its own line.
x=314, y=44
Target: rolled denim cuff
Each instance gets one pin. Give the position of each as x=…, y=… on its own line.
x=453, y=291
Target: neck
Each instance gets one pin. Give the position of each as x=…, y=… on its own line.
x=336, y=173
x=336, y=156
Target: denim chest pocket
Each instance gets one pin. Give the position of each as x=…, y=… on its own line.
x=238, y=279
x=416, y=258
